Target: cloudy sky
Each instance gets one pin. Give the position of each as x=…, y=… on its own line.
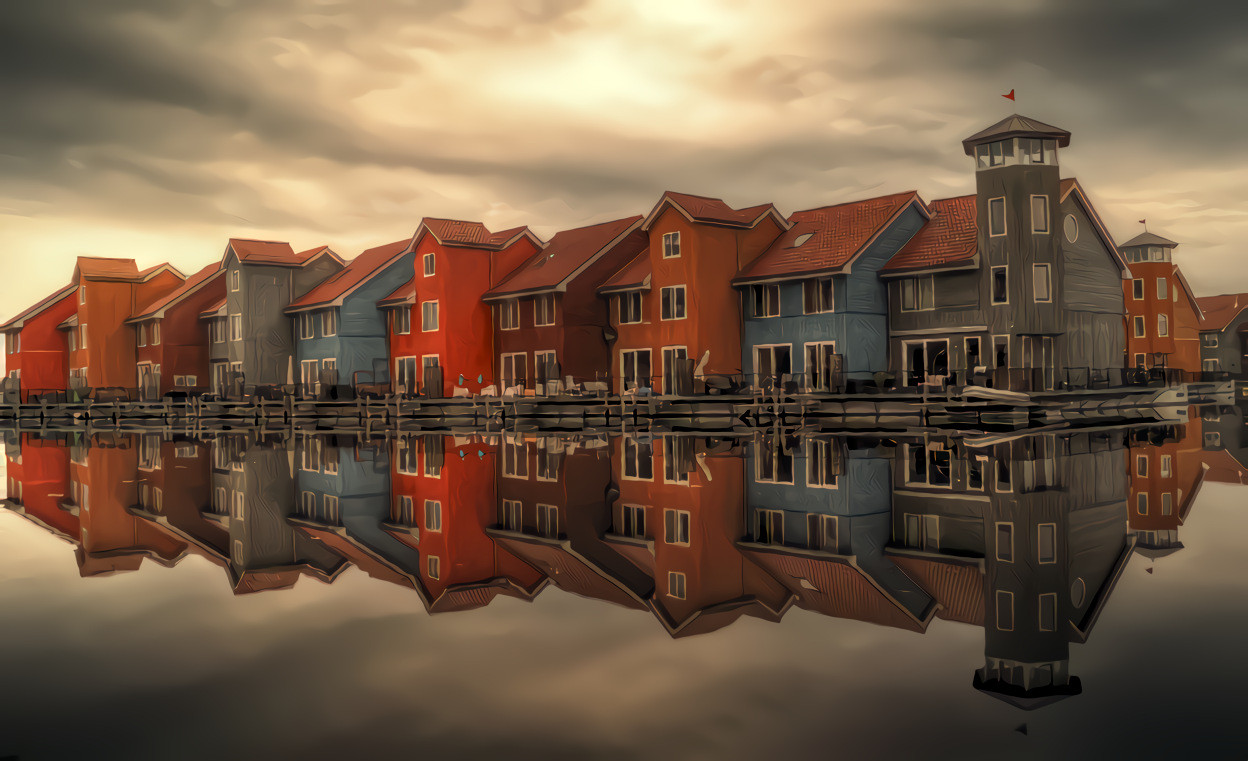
x=156, y=129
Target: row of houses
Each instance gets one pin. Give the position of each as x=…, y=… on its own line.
x=1024, y=539
x=1019, y=285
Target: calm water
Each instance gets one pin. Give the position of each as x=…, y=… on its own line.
x=1078, y=594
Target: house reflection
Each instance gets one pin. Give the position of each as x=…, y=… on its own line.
x=1024, y=536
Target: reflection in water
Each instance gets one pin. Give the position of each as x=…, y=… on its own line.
x=1023, y=536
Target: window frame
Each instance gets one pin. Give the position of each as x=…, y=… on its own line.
x=1048, y=283
x=1047, y=228
x=665, y=301
x=671, y=243
x=1005, y=227
x=437, y=317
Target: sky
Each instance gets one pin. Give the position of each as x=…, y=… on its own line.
x=156, y=129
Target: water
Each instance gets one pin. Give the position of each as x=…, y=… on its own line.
x=866, y=616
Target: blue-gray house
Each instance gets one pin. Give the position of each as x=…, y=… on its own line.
x=814, y=307
x=340, y=334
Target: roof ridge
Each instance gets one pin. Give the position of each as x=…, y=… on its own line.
x=860, y=200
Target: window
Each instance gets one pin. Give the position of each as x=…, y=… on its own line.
x=405, y=456
x=1138, y=321
x=142, y=339
x=1005, y=542
x=329, y=322
x=1161, y=289
x=1163, y=325
x=817, y=296
x=402, y=321
x=184, y=451
x=430, y=264
x=12, y=343
x=928, y=464
x=996, y=217
x=236, y=280
x=823, y=462
x=434, y=454
x=236, y=327
x=309, y=376
x=1139, y=360
x=971, y=349
x=630, y=307
x=307, y=505
x=82, y=293
x=82, y=336
x=1166, y=461
x=548, y=521
x=1141, y=503
x=1048, y=612
x=677, y=455
x=673, y=303
x=1039, y=214
x=635, y=369
x=513, y=515
x=434, y=565
x=1141, y=466
x=405, y=512
x=769, y=527
x=766, y=300
x=676, y=585
x=1040, y=283
x=515, y=459
x=918, y=293
x=544, y=309
x=671, y=245
x=676, y=526
x=429, y=316
x=1167, y=503
x=513, y=370
x=822, y=532
x=548, y=459
x=217, y=328
x=1046, y=543
x=155, y=334
x=772, y=463
x=823, y=366
x=331, y=509
x=509, y=315
x=633, y=521
x=1005, y=476
x=1210, y=340
x=1211, y=365
x=1137, y=289
x=1005, y=610
x=976, y=469
x=1001, y=284
x=638, y=459
x=433, y=515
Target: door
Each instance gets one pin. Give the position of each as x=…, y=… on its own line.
x=431, y=375
x=145, y=381
x=513, y=370
x=405, y=375
x=823, y=367
x=675, y=370
x=772, y=363
x=635, y=369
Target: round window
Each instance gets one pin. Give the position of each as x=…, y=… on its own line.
x=1071, y=228
x=1078, y=591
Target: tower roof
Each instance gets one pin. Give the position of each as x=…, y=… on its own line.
x=1016, y=125
x=1149, y=239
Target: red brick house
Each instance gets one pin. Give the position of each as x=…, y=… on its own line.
x=171, y=341
x=673, y=307
x=36, y=357
x=550, y=322
x=1163, y=316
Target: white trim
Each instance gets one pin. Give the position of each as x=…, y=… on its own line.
x=1005, y=227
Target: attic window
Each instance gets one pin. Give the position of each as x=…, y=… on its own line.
x=801, y=240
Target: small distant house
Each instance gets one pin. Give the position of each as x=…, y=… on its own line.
x=674, y=311
x=35, y=353
x=262, y=279
x=340, y=331
x=172, y=344
x=1224, y=334
x=815, y=309
x=550, y=323
x=1163, y=315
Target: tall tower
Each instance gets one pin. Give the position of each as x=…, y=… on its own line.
x=1018, y=192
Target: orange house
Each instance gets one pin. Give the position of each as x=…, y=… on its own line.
x=102, y=347
x=674, y=307
x=687, y=510
x=443, y=499
x=38, y=480
x=450, y=331
x=1163, y=316
x=170, y=338
x=1166, y=475
x=36, y=357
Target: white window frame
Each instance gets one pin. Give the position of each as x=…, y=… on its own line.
x=1163, y=326
x=1137, y=289
x=546, y=315
x=1005, y=226
x=817, y=452
x=820, y=307
x=424, y=327
x=432, y=515
x=1139, y=325
x=677, y=585
x=509, y=314
x=1040, y=528
x=429, y=264
x=1165, y=467
x=619, y=307
x=664, y=300
x=1036, y=280
x=1008, y=597
x=992, y=285
x=631, y=454
x=1163, y=291
x=682, y=525
x=671, y=243
x=236, y=280
x=996, y=538
x=1044, y=229
x=769, y=296
x=236, y=327
x=329, y=323
x=402, y=320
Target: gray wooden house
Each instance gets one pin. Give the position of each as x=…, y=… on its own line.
x=262, y=279
x=1019, y=285
x=1224, y=333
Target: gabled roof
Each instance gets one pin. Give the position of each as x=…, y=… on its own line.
x=1220, y=311
x=18, y=321
x=1016, y=125
x=950, y=239
x=458, y=233
x=713, y=211
x=634, y=276
x=567, y=254
x=275, y=253
x=123, y=270
x=156, y=309
x=1071, y=185
x=828, y=239
x=1149, y=239
x=404, y=294
x=334, y=289
x=217, y=309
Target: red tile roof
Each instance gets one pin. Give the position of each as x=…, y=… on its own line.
x=404, y=294
x=275, y=252
x=567, y=253
x=634, y=276
x=830, y=237
x=19, y=320
x=358, y=271
x=192, y=284
x=1220, y=311
x=950, y=238
x=105, y=268
x=455, y=232
x=958, y=587
x=713, y=211
x=214, y=309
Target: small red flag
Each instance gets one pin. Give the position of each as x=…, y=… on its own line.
x=1009, y=95
x=1143, y=222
